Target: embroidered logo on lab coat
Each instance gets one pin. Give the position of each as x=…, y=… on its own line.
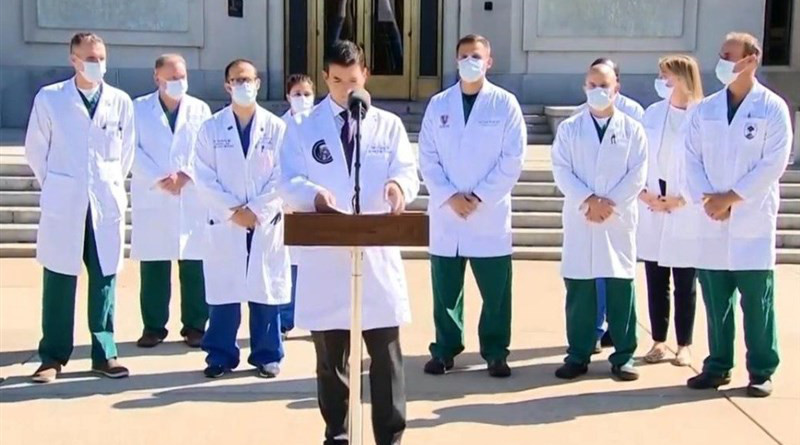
x=444, y=119
x=750, y=130
x=321, y=153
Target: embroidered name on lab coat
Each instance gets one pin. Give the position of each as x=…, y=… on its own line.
x=321, y=153
x=750, y=130
x=223, y=143
x=489, y=122
x=378, y=150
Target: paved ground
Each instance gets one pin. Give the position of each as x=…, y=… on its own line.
x=166, y=400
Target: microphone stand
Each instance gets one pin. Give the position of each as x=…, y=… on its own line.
x=355, y=415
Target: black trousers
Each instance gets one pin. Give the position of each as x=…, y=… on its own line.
x=658, y=291
x=386, y=381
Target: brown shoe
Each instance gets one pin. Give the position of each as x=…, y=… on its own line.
x=111, y=369
x=193, y=337
x=47, y=373
x=149, y=340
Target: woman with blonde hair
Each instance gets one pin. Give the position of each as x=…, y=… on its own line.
x=664, y=211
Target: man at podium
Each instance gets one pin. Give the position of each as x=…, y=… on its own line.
x=318, y=176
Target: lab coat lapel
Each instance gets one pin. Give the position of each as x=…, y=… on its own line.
x=332, y=135
x=161, y=118
x=477, y=108
x=232, y=132
x=456, y=106
x=180, y=120
x=103, y=107
x=75, y=97
x=368, y=127
x=257, y=131
x=657, y=139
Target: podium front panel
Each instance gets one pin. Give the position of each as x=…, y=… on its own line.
x=333, y=229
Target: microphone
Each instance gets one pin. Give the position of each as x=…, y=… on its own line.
x=359, y=101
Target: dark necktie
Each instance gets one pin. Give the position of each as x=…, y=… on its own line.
x=347, y=139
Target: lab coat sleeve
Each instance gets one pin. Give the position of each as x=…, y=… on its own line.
x=633, y=182
x=37, y=138
x=775, y=157
x=128, y=122
x=267, y=203
x=505, y=173
x=438, y=184
x=697, y=183
x=294, y=186
x=144, y=167
x=403, y=166
x=206, y=177
x=573, y=188
x=188, y=167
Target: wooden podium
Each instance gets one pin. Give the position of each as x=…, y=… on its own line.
x=356, y=232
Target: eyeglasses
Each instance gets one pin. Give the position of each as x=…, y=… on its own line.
x=241, y=81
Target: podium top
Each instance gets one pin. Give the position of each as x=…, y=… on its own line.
x=333, y=229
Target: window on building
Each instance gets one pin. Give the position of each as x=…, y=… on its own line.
x=778, y=32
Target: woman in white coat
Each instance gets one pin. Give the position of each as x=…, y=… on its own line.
x=300, y=95
x=599, y=164
x=665, y=211
x=168, y=214
x=237, y=172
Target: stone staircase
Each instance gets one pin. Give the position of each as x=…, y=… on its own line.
x=536, y=213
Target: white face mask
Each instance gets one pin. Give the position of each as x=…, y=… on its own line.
x=94, y=71
x=244, y=94
x=663, y=90
x=470, y=69
x=301, y=103
x=725, y=72
x=176, y=88
x=599, y=98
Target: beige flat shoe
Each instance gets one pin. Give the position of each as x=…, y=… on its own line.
x=656, y=353
x=683, y=357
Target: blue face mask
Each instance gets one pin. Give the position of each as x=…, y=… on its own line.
x=599, y=98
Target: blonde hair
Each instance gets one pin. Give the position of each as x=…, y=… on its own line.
x=688, y=70
x=751, y=44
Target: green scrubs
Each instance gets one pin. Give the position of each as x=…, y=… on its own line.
x=155, y=290
x=58, y=309
x=582, y=317
x=757, y=289
x=172, y=116
x=468, y=101
x=493, y=276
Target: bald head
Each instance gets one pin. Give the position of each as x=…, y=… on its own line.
x=169, y=67
x=601, y=76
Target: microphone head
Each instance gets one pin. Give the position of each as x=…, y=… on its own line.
x=359, y=97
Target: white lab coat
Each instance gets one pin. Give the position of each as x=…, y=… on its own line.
x=615, y=169
x=165, y=226
x=748, y=156
x=483, y=157
x=314, y=160
x=662, y=237
x=622, y=103
x=226, y=179
x=289, y=120
x=80, y=162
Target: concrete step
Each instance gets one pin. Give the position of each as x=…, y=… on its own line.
x=26, y=233
x=28, y=250
x=533, y=139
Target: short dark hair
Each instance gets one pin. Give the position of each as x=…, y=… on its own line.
x=474, y=38
x=81, y=37
x=296, y=79
x=238, y=62
x=607, y=62
x=344, y=53
x=164, y=58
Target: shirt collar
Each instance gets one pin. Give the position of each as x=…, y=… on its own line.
x=335, y=108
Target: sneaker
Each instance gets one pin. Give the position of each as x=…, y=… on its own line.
x=214, y=371
x=47, y=373
x=269, y=371
x=759, y=387
x=705, y=380
x=149, y=340
x=193, y=337
x=437, y=366
x=570, y=371
x=598, y=348
x=499, y=368
x=683, y=357
x=626, y=373
x=111, y=369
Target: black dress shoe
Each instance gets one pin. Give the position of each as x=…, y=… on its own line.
x=705, y=380
x=570, y=371
x=193, y=337
x=437, y=366
x=499, y=368
x=149, y=340
x=214, y=371
x=626, y=373
x=759, y=387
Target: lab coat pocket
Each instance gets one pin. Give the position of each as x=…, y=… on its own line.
x=58, y=193
x=754, y=218
x=112, y=142
x=752, y=135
